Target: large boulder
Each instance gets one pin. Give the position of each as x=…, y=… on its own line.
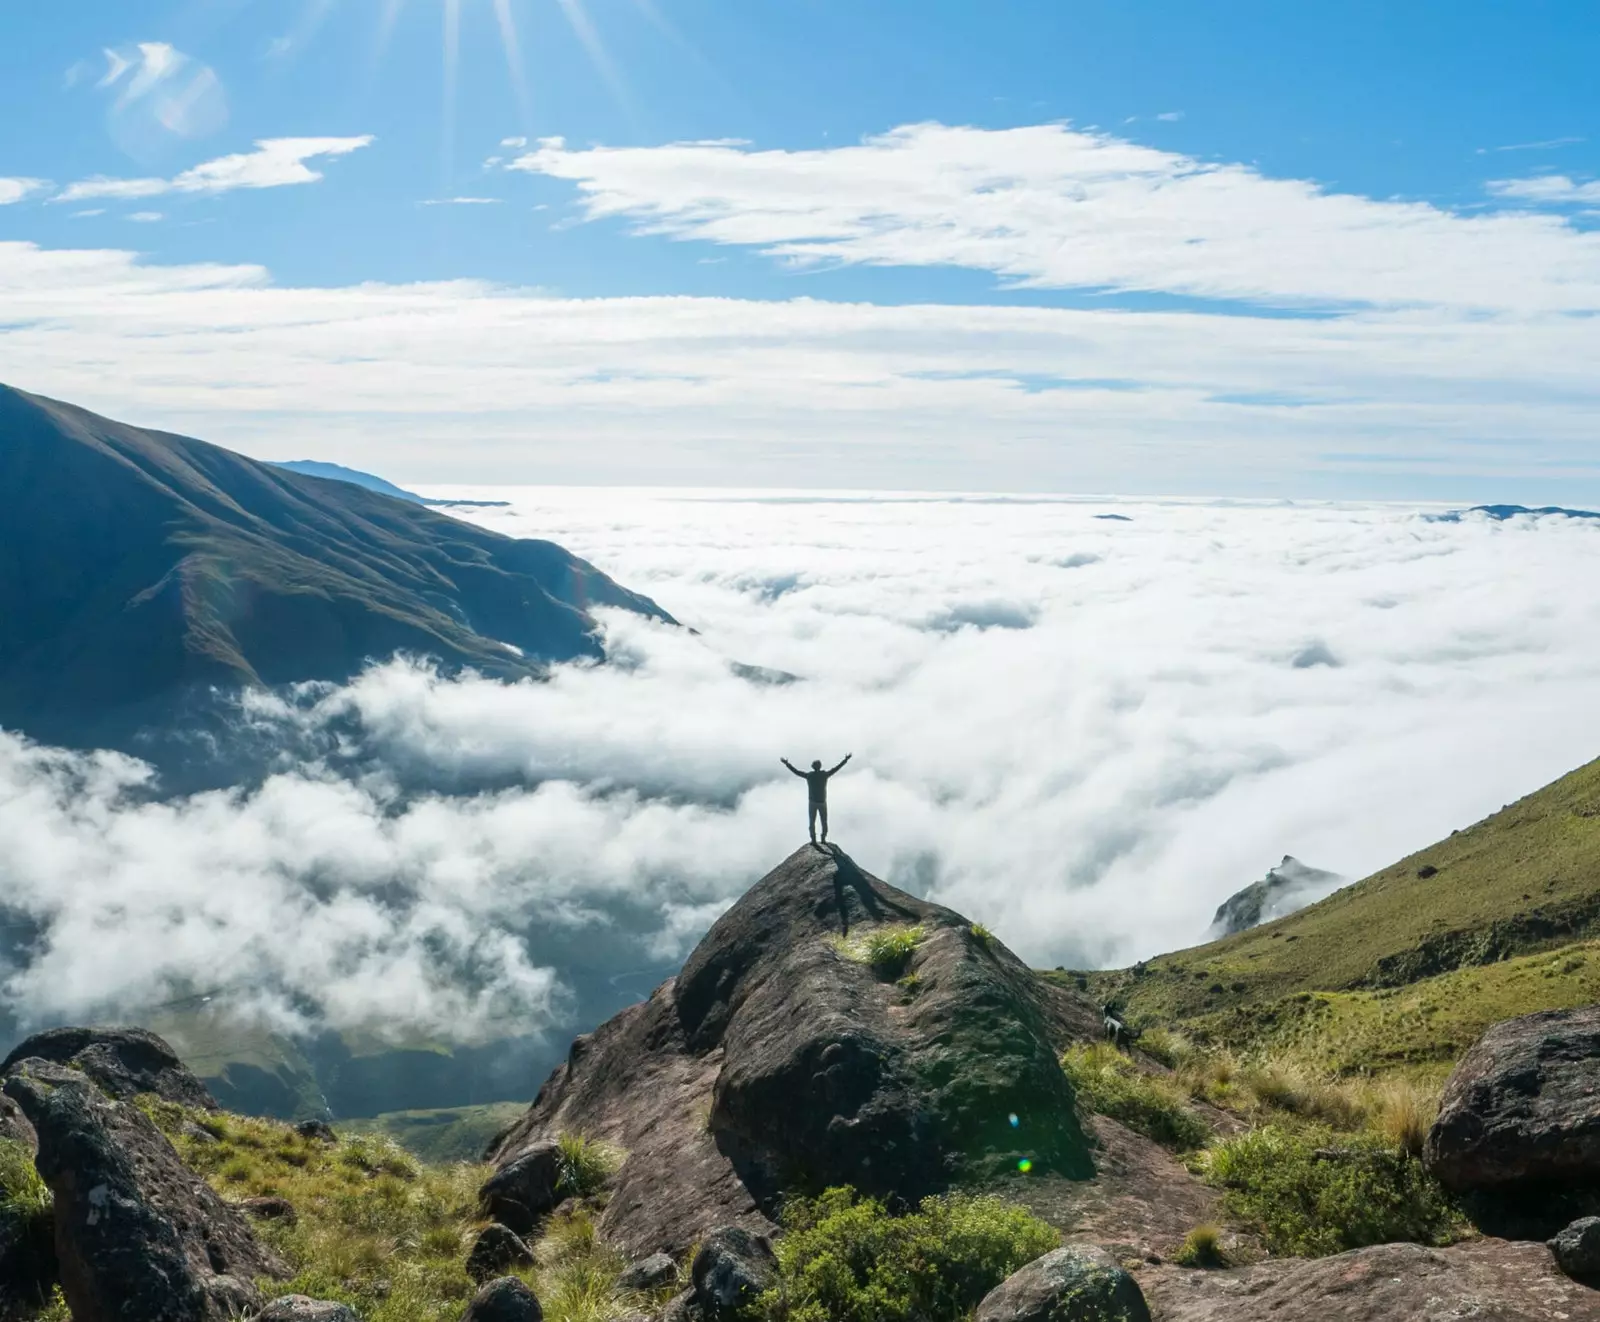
x=1577, y=1248
x=122, y=1062
x=731, y=1270
x=524, y=1187
x=504, y=1300
x=139, y=1237
x=780, y=1054
x=1073, y=1284
x=497, y=1249
x=1522, y=1107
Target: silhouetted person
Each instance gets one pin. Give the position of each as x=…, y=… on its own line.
x=817, y=783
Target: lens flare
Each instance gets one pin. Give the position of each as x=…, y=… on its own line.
x=1025, y=1165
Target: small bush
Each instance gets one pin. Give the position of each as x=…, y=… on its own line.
x=585, y=1165
x=1296, y=1090
x=1311, y=1192
x=1202, y=1247
x=844, y=1258
x=1109, y=1083
x=982, y=935
x=1168, y=1046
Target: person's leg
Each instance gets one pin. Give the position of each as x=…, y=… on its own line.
x=822, y=812
x=811, y=824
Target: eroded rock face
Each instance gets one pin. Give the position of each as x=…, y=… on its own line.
x=1522, y=1107
x=122, y=1062
x=775, y=1059
x=138, y=1236
x=1074, y=1284
x=505, y=1300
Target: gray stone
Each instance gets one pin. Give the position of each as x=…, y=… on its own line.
x=1577, y=1248
x=138, y=1236
x=505, y=1300
x=302, y=1308
x=649, y=1273
x=523, y=1190
x=496, y=1249
x=319, y=1130
x=270, y=1208
x=1521, y=1108
x=731, y=1269
x=1074, y=1284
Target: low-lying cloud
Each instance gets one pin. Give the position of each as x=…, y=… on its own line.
x=1198, y=692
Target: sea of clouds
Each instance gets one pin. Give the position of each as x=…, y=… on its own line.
x=1083, y=730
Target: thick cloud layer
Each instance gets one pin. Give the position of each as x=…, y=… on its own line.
x=1085, y=732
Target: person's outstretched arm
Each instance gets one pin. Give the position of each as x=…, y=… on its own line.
x=840, y=767
x=791, y=766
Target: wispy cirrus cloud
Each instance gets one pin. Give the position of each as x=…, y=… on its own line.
x=275, y=163
x=1051, y=206
x=1548, y=189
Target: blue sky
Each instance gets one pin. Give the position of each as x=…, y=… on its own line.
x=1246, y=249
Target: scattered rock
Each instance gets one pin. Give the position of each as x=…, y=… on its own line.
x=732, y=1269
x=1521, y=1107
x=776, y=1050
x=649, y=1273
x=139, y=1237
x=1074, y=1284
x=1577, y=1248
x=497, y=1248
x=199, y=1133
x=268, y=1208
x=319, y=1130
x=505, y=1300
x=301, y=1308
x=523, y=1189
x=122, y=1062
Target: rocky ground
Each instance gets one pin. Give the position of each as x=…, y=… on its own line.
x=829, y=1030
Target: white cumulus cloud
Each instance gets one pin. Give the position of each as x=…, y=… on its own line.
x=275, y=163
x=15, y=190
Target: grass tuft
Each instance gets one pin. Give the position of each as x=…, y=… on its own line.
x=887, y=950
x=586, y=1166
x=1108, y=1083
x=1202, y=1247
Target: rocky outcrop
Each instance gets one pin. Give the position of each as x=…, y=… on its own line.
x=505, y=1300
x=780, y=1056
x=497, y=1249
x=139, y=1237
x=1577, y=1248
x=14, y=1126
x=1075, y=1284
x=1488, y=1279
x=652, y=1273
x=122, y=1063
x=1522, y=1107
x=1285, y=889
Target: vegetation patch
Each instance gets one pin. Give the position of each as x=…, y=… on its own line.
x=384, y=1232
x=887, y=950
x=585, y=1166
x=1202, y=1247
x=26, y=1226
x=457, y=1133
x=1108, y=1083
x=844, y=1258
x=1311, y=1191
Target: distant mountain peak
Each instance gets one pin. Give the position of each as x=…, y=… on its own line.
x=371, y=481
x=1289, y=886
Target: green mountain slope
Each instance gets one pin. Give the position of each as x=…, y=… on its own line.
x=1524, y=880
x=137, y=566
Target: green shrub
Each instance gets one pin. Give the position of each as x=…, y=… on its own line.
x=26, y=1225
x=982, y=935
x=1312, y=1192
x=585, y=1165
x=1202, y=1247
x=844, y=1258
x=1109, y=1083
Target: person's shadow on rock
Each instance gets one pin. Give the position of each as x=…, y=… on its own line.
x=848, y=877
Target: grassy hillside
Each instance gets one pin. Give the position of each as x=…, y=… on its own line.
x=456, y=1133
x=1412, y=962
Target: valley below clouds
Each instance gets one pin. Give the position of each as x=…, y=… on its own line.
x=1083, y=731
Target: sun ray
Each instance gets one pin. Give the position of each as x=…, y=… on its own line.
x=386, y=22
x=586, y=32
x=513, y=49
x=452, y=58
